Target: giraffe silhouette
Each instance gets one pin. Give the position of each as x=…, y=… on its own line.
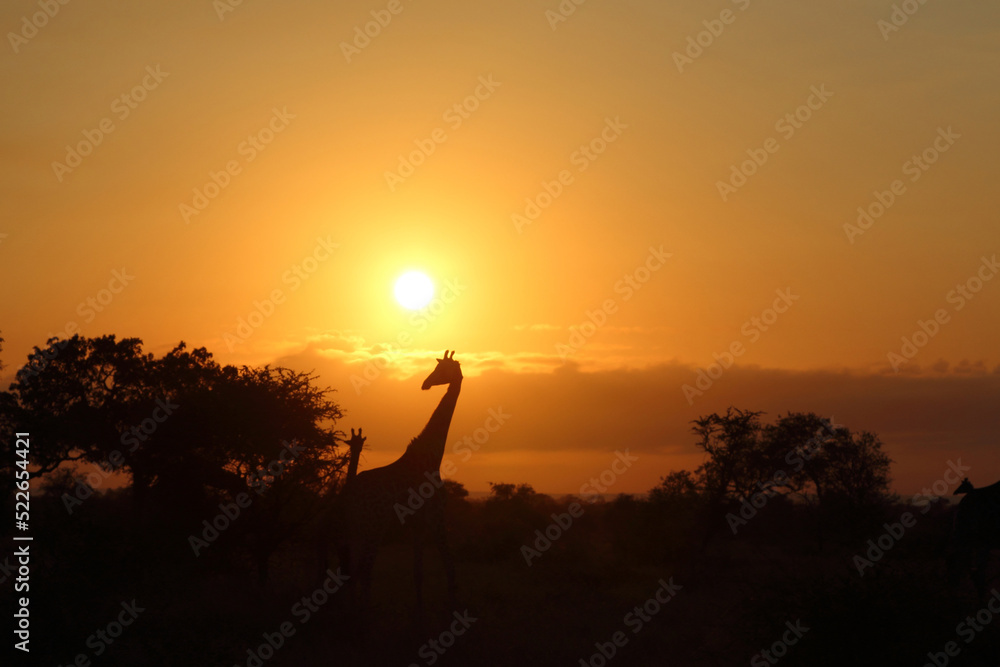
x=976, y=533
x=330, y=507
x=372, y=498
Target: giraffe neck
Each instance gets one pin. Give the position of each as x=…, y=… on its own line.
x=352, y=463
x=427, y=449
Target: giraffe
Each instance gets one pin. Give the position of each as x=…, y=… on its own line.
x=976, y=532
x=327, y=516
x=372, y=498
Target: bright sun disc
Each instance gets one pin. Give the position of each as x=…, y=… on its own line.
x=414, y=290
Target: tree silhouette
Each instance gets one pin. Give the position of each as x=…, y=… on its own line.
x=737, y=454
x=679, y=488
x=800, y=453
x=184, y=432
x=77, y=395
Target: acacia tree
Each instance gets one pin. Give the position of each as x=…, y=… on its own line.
x=76, y=394
x=275, y=429
x=800, y=453
x=680, y=488
x=737, y=453
x=186, y=432
x=855, y=470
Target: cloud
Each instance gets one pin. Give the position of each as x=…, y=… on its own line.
x=353, y=352
x=536, y=327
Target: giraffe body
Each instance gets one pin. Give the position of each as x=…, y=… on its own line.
x=976, y=532
x=373, y=498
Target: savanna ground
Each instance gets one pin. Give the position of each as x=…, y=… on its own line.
x=787, y=564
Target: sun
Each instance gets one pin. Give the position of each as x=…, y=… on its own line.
x=414, y=290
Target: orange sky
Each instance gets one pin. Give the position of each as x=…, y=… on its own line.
x=614, y=111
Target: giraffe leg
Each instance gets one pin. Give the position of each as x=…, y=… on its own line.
x=365, y=569
x=323, y=560
x=418, y=568
x=357, y=560
x=956, y=561
x=262, y=569
x=979, y=568
x=441, y=542
x=361, y=562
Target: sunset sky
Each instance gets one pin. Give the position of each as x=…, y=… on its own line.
x=668, y=171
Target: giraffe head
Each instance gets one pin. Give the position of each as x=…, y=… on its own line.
x=447, y=371
x=357, y=442
x=964, y=487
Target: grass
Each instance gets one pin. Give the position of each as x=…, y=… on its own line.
x=735, y=599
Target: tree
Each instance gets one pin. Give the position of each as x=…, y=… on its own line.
x=76, y=395
x=182, y=416
x=855, y=470
x=186, y=432
x=737, y=455
x=678, y=488
x=518, y=494
x=454, y=490
x=800, y=453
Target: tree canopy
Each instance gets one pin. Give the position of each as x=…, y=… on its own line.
x=801, y=453
x=180, y=425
